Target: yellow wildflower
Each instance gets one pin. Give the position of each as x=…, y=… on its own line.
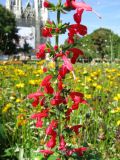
x=6, y=107
x=98, y=87
x=18, y=100
x=88, y=96
x=115, y=110
x=20, y=85
x=117, y=97
x=118, y=123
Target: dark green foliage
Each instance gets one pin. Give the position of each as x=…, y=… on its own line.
x=8, y=32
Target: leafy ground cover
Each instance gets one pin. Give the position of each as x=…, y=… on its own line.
x=100, y=118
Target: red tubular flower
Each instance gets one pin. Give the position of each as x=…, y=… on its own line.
x=35, y=96
x=62, y=143
x=46, y=152
x=82, y=30
x=76, y=128
x=47, y=85
x=52, y=142
x=80, y=151
x=46, y=4
x=52, y=125
x=69, y=111
x=46, y=80
x=39, y=116
x=58, y=99
x=63, y=71
x=77, y=16
x=67, y=63
x=76, y=53
x=46, y=32
x=77, y=98
x=41, y=53
x=81, y=5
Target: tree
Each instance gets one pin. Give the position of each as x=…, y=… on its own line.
x=100, y=43
x=105, y=42
x=8, y=32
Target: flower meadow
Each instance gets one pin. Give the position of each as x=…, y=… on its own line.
x=59, y=109
x=100, y=119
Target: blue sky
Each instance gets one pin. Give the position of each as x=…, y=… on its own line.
x=108, y=9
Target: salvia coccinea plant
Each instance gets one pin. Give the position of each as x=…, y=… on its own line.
x=53, y=97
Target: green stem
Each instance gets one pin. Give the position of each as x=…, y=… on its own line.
x=58, y=21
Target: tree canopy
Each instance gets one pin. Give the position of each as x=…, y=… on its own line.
x=8, y=32
x=100, y=43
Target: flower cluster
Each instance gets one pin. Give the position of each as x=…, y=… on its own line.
x=53, y=96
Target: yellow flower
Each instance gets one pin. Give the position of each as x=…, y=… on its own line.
x=6, y=107
x=115, y=110
x=41, y=62
x=94, y=84
x=88, y=96
x=118, y=123
x=51, y=65
x=19, y=72
x=98, y=87
x=18, y=100
x=20, y=85
x=34, y=82
x=117, y=97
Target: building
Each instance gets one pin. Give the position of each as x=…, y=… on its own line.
x=30, y=18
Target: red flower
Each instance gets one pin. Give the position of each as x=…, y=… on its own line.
x=76, y=128
x=47, y=85
x=62, y=143
x=46, y=4
x=52, y=125
x=52, y=142
x=77, y=16
x=77, y=98
x=69, y=111
x=46, y=32
x=76, y=53
x=55, y=47
x=46, y=80
x=60, y=85
x=67, y=63
x=57, y=99
x=44, y=69
x=36, y=97
x=63, y=71
x=81, y=5
x=80, y=151
x=46, y=152
x=39, y=116
x=41, y=53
